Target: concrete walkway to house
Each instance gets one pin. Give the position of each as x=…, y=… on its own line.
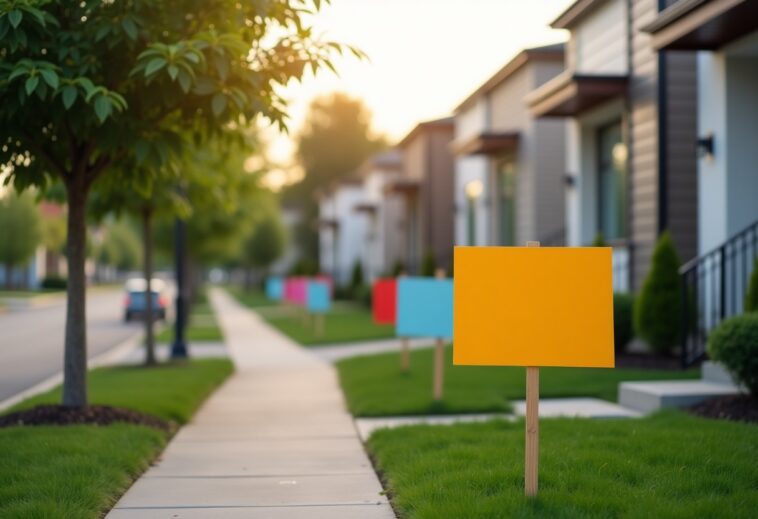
x=274, y=441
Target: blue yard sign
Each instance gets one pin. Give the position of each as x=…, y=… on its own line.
x=275, y=288
x=424, y=307
x=318, y=299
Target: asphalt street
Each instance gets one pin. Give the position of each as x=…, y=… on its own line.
x=31, y=341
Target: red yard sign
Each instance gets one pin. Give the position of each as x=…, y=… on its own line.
x=385, y=301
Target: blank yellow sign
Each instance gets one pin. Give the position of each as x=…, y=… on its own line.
x=533, y=306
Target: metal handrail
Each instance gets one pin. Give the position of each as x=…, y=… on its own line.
x=713, y=288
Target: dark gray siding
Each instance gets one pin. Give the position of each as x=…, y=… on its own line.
x=680, y=134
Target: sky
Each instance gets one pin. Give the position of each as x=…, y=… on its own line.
x=425, y=57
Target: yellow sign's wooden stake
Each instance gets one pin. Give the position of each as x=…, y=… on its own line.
x=532, y=450
x=405, y=354
x=439, y=356
x=532, y=427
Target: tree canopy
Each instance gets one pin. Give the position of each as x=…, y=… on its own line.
x=21, y=231
x=93, y=86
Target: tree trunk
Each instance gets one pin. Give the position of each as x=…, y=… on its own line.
x=248, y=279
x=147, y=248
x=75, y=349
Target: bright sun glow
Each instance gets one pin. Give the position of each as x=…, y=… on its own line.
x=426, y=56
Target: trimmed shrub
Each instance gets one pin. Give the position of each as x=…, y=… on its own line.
x=751, y=296
x=397, y=269
x=356, y=277
x=429, y=265
x=734, y=343
x=599, y=240
x=657, y=310
x=53, y=283
x=623, y=308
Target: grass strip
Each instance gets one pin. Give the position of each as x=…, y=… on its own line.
x=375, y=386
x=81, y=471
x=668, y=465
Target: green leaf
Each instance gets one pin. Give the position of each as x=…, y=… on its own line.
x=50, y=77
x=69, y=96
x=154, y=65
x=31, y=84
x=218, y=104
x=185, y=81
x=173, y=71
x=14, y=17
x=130, y=28
x=103, y=108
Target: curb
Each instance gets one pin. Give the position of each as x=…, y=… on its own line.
x=107, y=358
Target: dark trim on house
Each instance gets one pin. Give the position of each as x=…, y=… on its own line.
x=436, y=123
x=487, y=143
x=662, y=142
x=703, y=24
x=568, y=95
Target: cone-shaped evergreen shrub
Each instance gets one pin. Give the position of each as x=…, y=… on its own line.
x=429, y=265
x=657, y=310
x=751, y=297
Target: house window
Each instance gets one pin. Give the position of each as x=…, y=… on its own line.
x=506, y=201
x=612, y=192
x=474, y=190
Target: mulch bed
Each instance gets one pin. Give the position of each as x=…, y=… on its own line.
x=739, y=408
x=91, y=415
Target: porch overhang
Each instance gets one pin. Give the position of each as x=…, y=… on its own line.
x=568, y=95
x=327, y=223
x=403, y=186
x=702, y=24
x=365, y=207
x=487, y=144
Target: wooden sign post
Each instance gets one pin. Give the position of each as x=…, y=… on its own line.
x=532, y=427
x=533, y=306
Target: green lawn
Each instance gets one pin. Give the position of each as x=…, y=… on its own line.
x=668, y=465
x=25, y=294
x=203, y=326
x=375, y=386
x=254, y=298
x=346, y=322
x=80, y=471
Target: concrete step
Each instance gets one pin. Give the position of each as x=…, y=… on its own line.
x=648, y=397
x=717, y=373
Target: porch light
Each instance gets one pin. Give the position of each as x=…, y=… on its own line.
x=474, y=189
x=705, y=146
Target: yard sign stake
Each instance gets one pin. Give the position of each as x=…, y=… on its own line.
x=532, y=432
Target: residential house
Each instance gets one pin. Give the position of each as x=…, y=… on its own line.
x=509, y=165
x=724, y=33
x=381, y=210
x=341, y=233
x=629, y=162
x=426, y=187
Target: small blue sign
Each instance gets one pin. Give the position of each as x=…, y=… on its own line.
x=424, y=307
x=275, y=288
x=318, y=300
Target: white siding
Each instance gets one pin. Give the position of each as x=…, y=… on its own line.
x=599, y=43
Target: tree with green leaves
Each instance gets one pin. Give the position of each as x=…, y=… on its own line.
x=89, y=86
x=751, y=295
x=657, y=309
x=264, y=245
x=335, y=140
x=21, y=231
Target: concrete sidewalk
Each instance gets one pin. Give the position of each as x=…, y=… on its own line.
x=275, y=441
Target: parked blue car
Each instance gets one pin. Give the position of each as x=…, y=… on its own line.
x=135, y=302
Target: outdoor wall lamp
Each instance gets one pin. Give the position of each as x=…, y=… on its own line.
x=569, y=179
x=704, y=146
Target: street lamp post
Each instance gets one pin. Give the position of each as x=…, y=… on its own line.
x=179, y=347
